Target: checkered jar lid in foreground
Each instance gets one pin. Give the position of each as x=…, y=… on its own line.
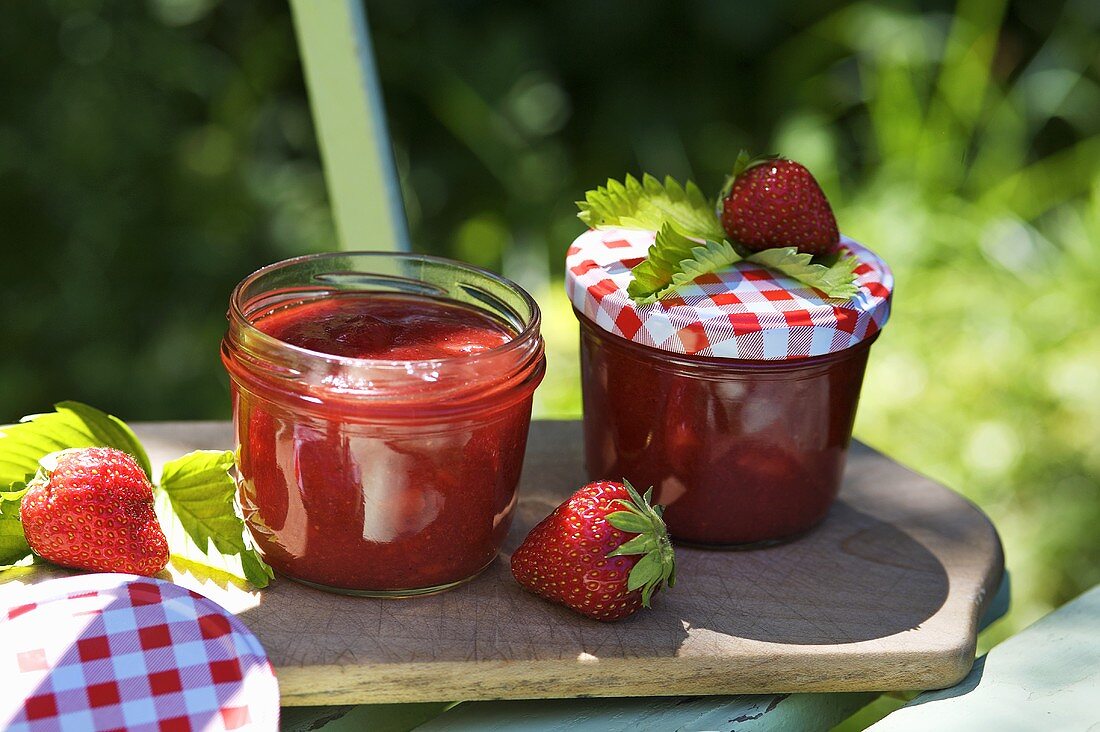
x=746, y=311
x=116, y=651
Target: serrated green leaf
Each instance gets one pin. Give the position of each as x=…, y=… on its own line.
x=201, y=491
x=256, y=570
x=73, y=425
x=195, y=504
x=837, y=280
x=650, y=204
x=675, y=260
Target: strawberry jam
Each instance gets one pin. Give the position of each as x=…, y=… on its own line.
x=733, y=394
x=739, y=452
x=381, y=431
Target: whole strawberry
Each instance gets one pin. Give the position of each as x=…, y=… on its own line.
x=603, y=552
x=92, y=508
x=775, y=202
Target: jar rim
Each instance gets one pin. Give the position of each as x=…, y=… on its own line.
x=237, y=315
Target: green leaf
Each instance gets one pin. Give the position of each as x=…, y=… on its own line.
x=73, y=425
x=15, y=493
x=195, y=504
x=837, y=280
x=13, y=546
x=649, y=205
x=676, y=260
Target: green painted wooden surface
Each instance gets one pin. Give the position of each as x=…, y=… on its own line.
x=373, y=717
x=743, y=713
x=1046, y=677
x=348, y=113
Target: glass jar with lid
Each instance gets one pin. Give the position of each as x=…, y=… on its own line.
x=734, y=396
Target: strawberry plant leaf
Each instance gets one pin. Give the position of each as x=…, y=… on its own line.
x=650, y=204
x=13, y=547
x=837, y=280
x=196, y=507
x=72, y=425
x=15, y=493
x=676, y=260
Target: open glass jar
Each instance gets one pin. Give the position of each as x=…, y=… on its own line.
x=383, y=476
x=734, y=399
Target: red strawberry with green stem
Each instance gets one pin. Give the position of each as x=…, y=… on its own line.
x=92, y=508
x=774, y=202
x=604, y=552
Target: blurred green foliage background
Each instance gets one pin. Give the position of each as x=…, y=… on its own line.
x=152, y=154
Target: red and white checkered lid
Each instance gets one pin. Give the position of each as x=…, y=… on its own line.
x=115, y=651
x=746, y=311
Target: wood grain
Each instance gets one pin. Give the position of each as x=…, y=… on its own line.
x=886, y=594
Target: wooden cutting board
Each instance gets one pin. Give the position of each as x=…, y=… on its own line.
x=886, y=594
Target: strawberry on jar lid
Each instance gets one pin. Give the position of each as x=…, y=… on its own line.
x=759, y=274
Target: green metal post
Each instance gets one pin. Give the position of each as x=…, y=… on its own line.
x=349, y=116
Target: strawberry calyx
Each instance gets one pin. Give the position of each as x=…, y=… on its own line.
x=657, y=567
x=744, y=162
x=47, y=464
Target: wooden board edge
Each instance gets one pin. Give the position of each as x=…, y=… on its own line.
x=499, y=680
x=930, y=666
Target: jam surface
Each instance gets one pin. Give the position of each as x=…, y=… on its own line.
x=388, y=505
x=738, y=452
x=388, y=327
